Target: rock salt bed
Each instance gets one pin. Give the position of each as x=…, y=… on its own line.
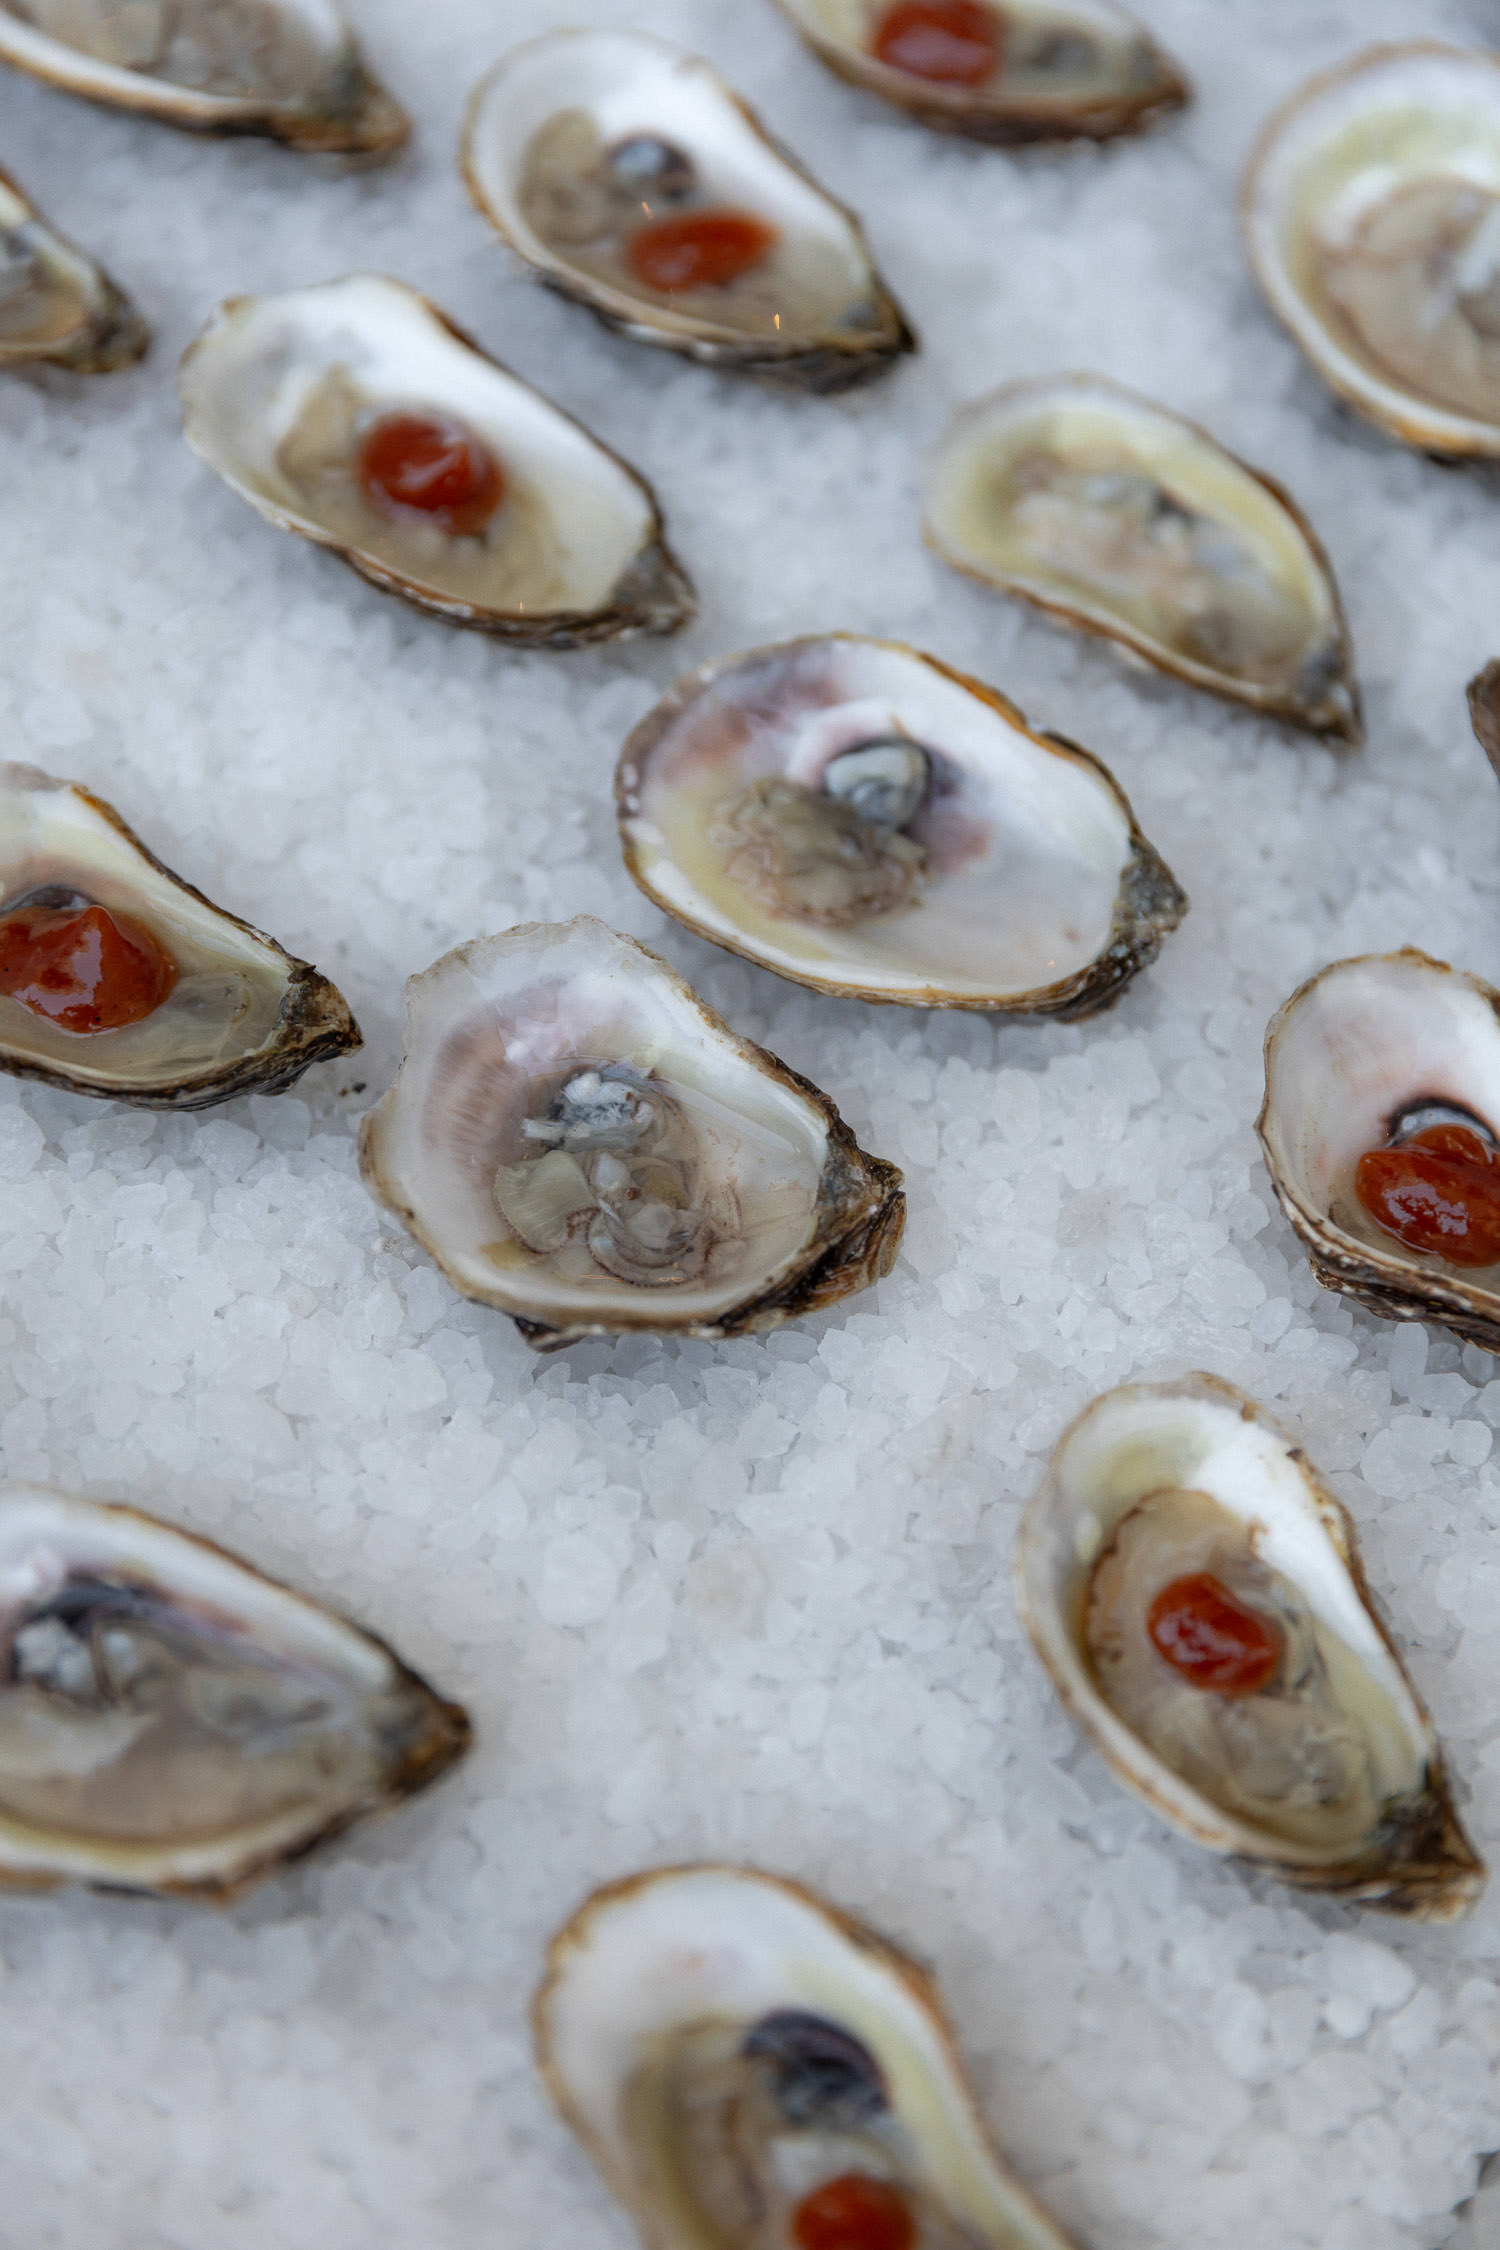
x=749, y=1600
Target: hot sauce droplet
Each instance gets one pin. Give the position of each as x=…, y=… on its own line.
x=699, y=249
x=1213, y=1639
x=433, y=466
x=1439, y=1191
x=855, y=2212
x=83, y=968
x=950, y=42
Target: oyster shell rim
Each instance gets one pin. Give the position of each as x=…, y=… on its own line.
x=1432, y=1871
x=1347, y=732
x=667, y=602
x=1149, y=904
x=114, y=333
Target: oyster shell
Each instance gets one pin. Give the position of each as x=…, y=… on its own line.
x=1371, y=210
x=1059, y=70
x=1327, y=1772
x=55, y=303
x=288, y=70
x=241, y=1015
x=577, y=1140
x=582, y=144
x=726, y=2046
x=1124, y=519
x=280, y=394
x=1364, y=1054
x=861, y=819
x=171, y=1721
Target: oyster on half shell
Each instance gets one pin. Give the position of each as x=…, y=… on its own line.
x=861, y=819
x=737, y=2056
x=579, y=1141
x=1003, y=71
x=288, y=70
x=1127, y=520
x=238, y=1015
x=632, y=179
x=55, y=303
x=171, y=1721
x=1197, y=1596
x=286, y=396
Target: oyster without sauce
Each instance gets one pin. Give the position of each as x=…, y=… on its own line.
x=55, y=303
x=288, y=70
x=1122, y=518
x=578, y=1141
x=1372, y=214
x=1081, y=70
x=171, y=1721
x=859, y=818
x=281, y=396
x=1484, y=711
x=239, y=1014
x=1320, y=1764
x=728, y=2048
x=580, y=142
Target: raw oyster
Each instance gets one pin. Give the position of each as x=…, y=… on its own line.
x=555, y=541
x=288, y=70
x=1177, y=1535
x=578, y=1140
x=55, y=303
x=627, y=173
x=237, y=1014
x=1125, y=519
x=735, y=2055
x=999, y=70
x=1372, y=213
x=1484, y=711
x=1366, y=1055
x=861, y=819
x=172, y=1721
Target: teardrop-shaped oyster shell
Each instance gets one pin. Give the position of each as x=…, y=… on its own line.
x=277, y=390
x=1032, y=890
x=771, y=1209
x=536, y=157
x=286, y=70
x=55, y=303
x=1067, y=70
x=171, y=1721
x=1370, y=206
x=244, y=1016
x=1360, y=1045
x=1129, y=521
x=690, y=2014
x=1202, y=1440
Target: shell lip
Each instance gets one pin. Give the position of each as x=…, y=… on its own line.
x=1149, y=905
x=1337, y=720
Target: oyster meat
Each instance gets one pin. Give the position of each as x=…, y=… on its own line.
x=117, y=978
x=578, y=1140
x=288, y=70
x=353, y=413
x=1484, y=711
x=747, y=2066
x=55, y=303
x=172, y=1721
x=1379, y=1054
x=1123, y=518
x=627, y=173
x=1372, y=213
x=999, y=70
x=1197, y=1596
x=861, y=819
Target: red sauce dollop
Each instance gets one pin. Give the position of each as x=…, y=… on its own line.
x=83, y=968
x=1439, y=1191
x=1211, y=1637
x=950, y=42
x=699, y=250
x=854, y=2213
x=433, y=466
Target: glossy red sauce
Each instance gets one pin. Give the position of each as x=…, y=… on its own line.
x=699, y=249
x=855, y=2212
x=949, y=42
x=83, y=968
x=1211, y=1637
x=433, y=466
x=1438, y=1191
